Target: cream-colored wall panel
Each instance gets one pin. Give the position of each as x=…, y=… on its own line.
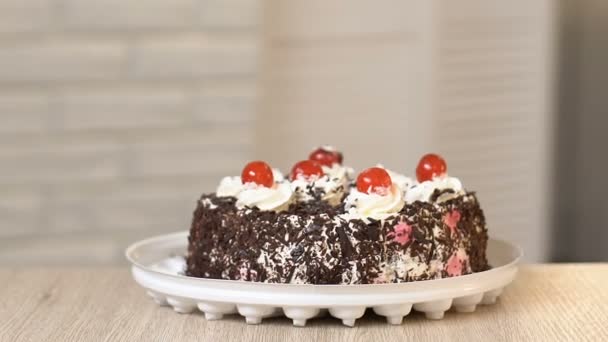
x=18, y=16
x=61, y=59
x=493, y=116
x=294, y=20
x=470, y=80
x=349, y=95
x=121, y=15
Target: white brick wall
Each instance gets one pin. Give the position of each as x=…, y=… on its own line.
x=40, y=60
x=190, y=56
x=24, y=112
x=114, y=116
x=25, y=16
x=120, y=15
x=231, y=14
x=121, y=107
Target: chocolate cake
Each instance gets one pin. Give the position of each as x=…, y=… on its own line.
x=320, y=227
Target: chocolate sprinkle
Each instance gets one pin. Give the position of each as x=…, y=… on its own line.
x=310, y=243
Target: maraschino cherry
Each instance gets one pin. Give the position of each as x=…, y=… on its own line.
x=431, y=166
x=326, y=156
x=258, y=172
x=307, y=169
x=374, y=180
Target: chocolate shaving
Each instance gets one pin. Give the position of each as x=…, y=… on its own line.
x=310, y=243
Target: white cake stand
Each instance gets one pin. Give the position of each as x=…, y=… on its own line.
x=157, y=265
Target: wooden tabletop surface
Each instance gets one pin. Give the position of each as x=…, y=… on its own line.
x=545, y=303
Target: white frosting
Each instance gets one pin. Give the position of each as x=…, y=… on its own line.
x=232, y=186
x=402, y=181
x=339, y=172
x=276, y=198
x=277, y=175
x=402, y=265
x=360, y=204
x=329, y=148
x=333, y=183
x=333, y=189
x=229, y=186
x=423, y=191
x=208, y=203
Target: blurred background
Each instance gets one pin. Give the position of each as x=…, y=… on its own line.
x=115, y=115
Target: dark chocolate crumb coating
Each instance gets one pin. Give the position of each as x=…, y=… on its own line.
x=314, y=243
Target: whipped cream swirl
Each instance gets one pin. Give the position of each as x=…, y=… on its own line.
x=305, y=190
x=338, y=172
x=446, y=187
x=277, y=175
x=402, y=181
x=333, y=185
x=276, y=198
x=360, y=204
x=232, y=186
x=229, y=187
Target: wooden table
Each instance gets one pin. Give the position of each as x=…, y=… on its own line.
x=545, y=303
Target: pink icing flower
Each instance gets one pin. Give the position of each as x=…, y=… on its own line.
x=243, y=272
x=454, y=267
x=451, y=220
x=401, y=233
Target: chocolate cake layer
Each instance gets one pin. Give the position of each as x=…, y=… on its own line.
x=315, y=243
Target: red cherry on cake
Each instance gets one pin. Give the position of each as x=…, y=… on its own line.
x=326, y=156
x=258, y=172
x=307, y=169
x=374, y=180
x=430, y=166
